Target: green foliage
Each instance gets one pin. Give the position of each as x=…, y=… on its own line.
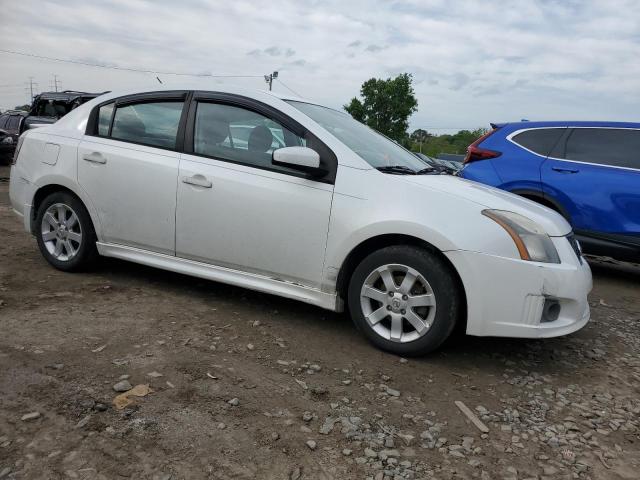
x=26, y=108
x=386, y=105
x=433, y=145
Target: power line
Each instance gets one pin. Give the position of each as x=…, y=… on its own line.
x=290, y=89
x=127, y=69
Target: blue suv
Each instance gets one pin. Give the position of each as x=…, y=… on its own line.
x=587, y=171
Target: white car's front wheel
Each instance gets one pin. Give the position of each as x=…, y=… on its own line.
x=405, y=299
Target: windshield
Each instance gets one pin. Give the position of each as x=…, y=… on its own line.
x=375, y=149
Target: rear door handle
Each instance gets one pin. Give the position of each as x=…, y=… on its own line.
x=565, y=170
x=197, y=180
x=94, y=157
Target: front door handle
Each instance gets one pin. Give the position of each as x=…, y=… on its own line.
x=94, y=157
x=565, y=170
x=197, y=180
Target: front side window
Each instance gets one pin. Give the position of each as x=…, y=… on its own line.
x=150, y=123
x=607, y=146
x=233, y=133
x=104, y=119
x=540, y=140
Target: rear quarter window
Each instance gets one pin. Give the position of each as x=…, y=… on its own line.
x=104, y=119
x=605, y=146
x=150, y=123
x=539, y=140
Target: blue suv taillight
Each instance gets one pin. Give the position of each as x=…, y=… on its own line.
x=475, y=153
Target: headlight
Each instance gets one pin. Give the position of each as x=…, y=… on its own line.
x=531, y=240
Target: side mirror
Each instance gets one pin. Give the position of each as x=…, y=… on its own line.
x=300, y=158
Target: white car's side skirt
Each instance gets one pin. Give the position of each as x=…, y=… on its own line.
x=238, y=278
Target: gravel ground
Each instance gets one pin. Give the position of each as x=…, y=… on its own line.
x=247, y=385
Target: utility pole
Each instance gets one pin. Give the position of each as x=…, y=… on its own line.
x=269, y=78
x=55, y=82
x=30, y=86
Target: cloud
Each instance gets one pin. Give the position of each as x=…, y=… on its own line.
x=273, y=51
x=473, y=62
x=374, y=48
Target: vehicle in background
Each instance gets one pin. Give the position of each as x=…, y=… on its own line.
x=589, y=172
x=310, y=205
x=454, y=160
x=437, y=165
x=49, y=107
x=11, y=125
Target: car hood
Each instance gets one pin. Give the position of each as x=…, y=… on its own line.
x=488, y=197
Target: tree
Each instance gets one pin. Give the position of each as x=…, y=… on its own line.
x=433, y=145
x=419, y=135
x=386, y=105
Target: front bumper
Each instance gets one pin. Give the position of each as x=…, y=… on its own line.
x=506, y=297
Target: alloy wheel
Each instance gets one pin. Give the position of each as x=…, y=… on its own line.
x=398, y=303
x=61, y=232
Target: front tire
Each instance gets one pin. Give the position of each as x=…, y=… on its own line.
x=65, y=233
x=405, y=299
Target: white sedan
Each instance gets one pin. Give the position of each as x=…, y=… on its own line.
x=288, y=197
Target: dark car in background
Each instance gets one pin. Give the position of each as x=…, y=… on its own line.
x=453, y=160
x=11, y=125
x=49, y=107
x=589, y=172
x=436, y=164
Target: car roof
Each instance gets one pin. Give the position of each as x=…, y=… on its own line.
x=250, y=92
x=22, y=113
x=66, y=96
x=565, y=123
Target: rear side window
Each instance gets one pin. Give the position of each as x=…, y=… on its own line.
x=605, y=146
x=152, y=123
x=104, y=119
x=540, y=140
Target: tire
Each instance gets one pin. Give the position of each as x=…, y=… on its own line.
x=432, y=302
x=69, y=245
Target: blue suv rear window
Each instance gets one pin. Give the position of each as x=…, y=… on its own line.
x=539, y=140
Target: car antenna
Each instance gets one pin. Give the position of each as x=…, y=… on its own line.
x=158, y=78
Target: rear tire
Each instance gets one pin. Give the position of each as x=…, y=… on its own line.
x=65, y=233
x=405, y=299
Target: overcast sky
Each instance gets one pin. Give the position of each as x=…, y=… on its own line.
x=473, y=62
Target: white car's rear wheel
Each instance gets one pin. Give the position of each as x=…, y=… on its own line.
x=405, y=299
x=64, y=232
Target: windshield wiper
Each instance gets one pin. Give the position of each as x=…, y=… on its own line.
x=428, y=171
x=396, y=170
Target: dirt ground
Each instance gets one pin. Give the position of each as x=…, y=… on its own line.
x=248, y=385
